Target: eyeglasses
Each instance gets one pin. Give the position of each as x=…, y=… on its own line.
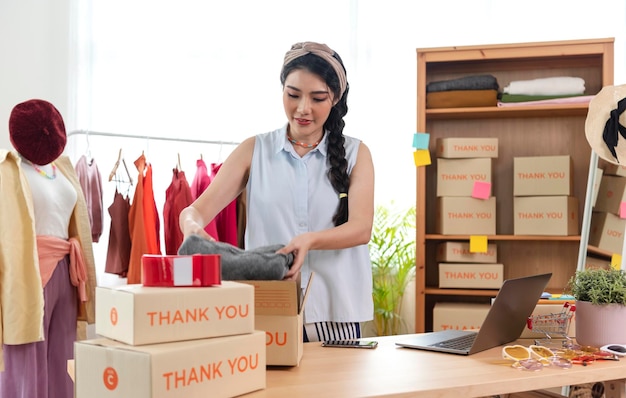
x=615, y=349
x=586, y=355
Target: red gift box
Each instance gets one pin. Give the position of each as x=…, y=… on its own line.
x=174, y=270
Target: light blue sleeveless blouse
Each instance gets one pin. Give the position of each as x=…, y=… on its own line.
x=288, y=195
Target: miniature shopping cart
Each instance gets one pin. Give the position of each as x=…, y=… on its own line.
x=555, y=325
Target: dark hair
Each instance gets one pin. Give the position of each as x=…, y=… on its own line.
x=338, y=173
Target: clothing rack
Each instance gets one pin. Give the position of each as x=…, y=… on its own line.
x=87, y=133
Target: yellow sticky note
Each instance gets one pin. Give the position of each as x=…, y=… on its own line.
x=478, y=244
x=616, y=261
x=421, y=157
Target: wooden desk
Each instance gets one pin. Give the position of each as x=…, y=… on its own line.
x=401, y=372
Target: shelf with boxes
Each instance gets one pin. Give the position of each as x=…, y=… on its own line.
x=608, y=220
x=528, y=136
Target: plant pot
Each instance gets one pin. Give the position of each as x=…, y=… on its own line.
x=600, y=324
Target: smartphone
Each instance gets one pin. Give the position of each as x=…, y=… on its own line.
x=350, y=343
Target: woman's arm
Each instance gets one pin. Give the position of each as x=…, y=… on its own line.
x=230, y=180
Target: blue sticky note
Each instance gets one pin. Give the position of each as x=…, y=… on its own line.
x=421, y=140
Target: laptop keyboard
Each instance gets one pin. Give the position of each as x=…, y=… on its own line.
x=458, y=343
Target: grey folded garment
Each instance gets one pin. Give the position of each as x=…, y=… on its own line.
x=476, y=82
x=237, y=264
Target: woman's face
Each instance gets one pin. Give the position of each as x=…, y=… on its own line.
x=307, y=101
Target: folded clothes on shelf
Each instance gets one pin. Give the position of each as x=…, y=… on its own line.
x=560, y=85
x=558, y=100
x=475, y=82
x=461, y=98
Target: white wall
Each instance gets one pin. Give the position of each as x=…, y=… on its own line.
x=34, y=53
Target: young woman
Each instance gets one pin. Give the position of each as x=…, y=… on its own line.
x=310, y=188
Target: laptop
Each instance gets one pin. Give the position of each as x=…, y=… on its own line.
x=504, y=323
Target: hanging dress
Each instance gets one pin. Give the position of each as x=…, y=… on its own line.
x=143, y=222
x=118, y=253
x=200, y=183
x=226, y=220
x=177, y=197
x=91, y=183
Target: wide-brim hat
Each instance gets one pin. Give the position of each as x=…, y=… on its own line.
x=605, y=127
x=37, y=131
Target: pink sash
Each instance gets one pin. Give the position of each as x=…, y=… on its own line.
x=52, y=250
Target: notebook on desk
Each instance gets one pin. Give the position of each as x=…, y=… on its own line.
x=504, y=322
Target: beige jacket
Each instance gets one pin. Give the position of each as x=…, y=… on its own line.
x=21, y=293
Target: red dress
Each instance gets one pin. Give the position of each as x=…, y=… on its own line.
x=177, y=197
x=143, y=221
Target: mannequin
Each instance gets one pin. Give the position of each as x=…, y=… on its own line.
x=47, y=272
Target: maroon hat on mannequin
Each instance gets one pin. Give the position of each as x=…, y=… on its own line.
x=37, y=131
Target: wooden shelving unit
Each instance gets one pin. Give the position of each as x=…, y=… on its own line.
x=537, y=130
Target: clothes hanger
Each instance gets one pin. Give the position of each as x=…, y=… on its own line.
x=117, y=164
x=88, y=151
x=130, y=179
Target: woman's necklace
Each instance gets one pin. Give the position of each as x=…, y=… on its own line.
x=302, y=144
x=42, y=172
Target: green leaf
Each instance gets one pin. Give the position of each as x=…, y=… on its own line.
x=392, y=252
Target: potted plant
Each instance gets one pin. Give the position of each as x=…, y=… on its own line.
x=600, y=295
x=392, y=252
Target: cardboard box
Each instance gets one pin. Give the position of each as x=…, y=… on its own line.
x=546, y=309
x=136, y=314
x=611, y=194
x=545, y=215
x=465, y=216
x=606, y=232
x=278, y=308
x=456, y=177
x=467, y=148
x=216, y=367
x=459, y=252
x=459, y=316
x=596, y=262
x=471, y=275
x=615, y=169
x=543, y=176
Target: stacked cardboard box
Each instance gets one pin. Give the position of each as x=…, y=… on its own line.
x=465, y=207
x=470, y=316
x=460, y=268
x=543, y=202
x=462, y=165
x=459, y=316
x=607, y=223
x=172, y=342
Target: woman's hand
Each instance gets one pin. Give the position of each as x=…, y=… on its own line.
x=299, y=246
x=191, y=224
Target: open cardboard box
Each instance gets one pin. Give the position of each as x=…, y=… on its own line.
x=278, y=311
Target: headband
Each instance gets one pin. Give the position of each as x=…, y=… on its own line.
x=322, y=51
